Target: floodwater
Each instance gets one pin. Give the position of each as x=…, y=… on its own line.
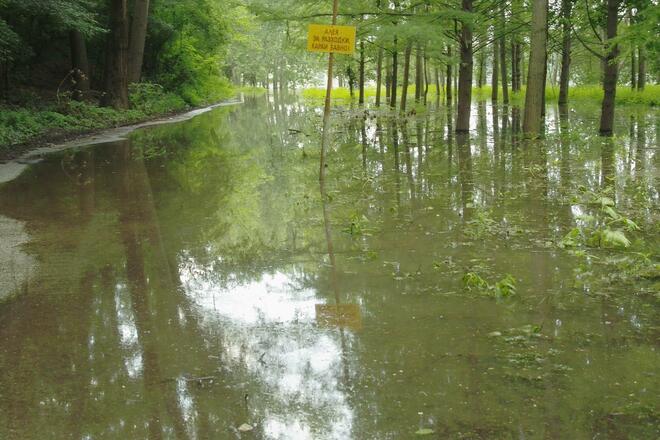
x=191, y=280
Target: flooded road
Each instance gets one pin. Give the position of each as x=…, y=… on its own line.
x=192, y=280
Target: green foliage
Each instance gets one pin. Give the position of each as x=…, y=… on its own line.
x=24, y=124
x=604, y=227
x=150, y=99
x=18, y=39
x=503, y=288
x=193, y=35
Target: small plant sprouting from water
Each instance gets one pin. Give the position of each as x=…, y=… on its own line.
x=503, y=288
x=606, y=228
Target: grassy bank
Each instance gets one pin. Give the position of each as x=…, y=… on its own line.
x=31, y=122
x=650, y=96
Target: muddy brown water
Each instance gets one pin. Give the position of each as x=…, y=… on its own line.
x=192, y=279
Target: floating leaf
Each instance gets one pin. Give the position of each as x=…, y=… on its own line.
x=425, y=431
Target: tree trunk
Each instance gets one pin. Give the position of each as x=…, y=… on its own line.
x=520, y=76
x=496, y=67
x=361, y=99
x=448, y=79
x=138, y=37
x=351, y=80
x=116, y=69
x=426, y=78
x=545, y=78
x=566, y=6
x=505, y=85
x=482, y=66
x=379, y=75
x=536, y=70
x=418, y=73
x=406, y=77
x=633, y=70
x=465, y=74
x=79, y=64
x=388, y=79
x=611, y=72
x=395, y=72
x=4, y=78
x=641, y=69
x=514, y=84
x=437, y=86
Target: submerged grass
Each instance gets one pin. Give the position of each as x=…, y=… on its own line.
x=624, y=95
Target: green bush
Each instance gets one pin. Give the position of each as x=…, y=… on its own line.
x=19, y=125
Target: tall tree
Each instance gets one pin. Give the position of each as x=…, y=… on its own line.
x=393, y=82
x=495, y=74
x=564, y=76
x=536, y=70
x=611, y=69
x=361, y=98
x=379, y=75
x=116, y=69
x=406, y=76
x=138, y=35
x=79, y=64
x=505, y=86
x=465, y=73
x=448, y=86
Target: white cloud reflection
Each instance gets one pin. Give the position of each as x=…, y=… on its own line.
x=268, y=330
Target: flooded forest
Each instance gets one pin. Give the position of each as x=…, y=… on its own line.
x=450, y=231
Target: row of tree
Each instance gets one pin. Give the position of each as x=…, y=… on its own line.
x=457, y=44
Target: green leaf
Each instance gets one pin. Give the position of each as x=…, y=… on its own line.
x=617, y=238
x=424, y=431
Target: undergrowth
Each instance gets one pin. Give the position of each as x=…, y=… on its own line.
x=23, y=124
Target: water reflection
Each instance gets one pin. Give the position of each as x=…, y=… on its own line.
x=195, y=278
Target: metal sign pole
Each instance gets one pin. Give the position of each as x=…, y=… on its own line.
x=328, y=96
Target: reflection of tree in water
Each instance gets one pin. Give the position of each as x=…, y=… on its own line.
x=195, y=256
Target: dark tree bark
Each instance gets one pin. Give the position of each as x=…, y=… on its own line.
x=520, y=77
x=564, y=76
x=514, y=84
x=388, y=79
x=611, y=73
x=138, y=36
x=536, y=70
x=395, y=73
x=465, y=74
x=406, y=77
x=449, y=81
x=418, y=73
x=482, y=67
x=633, y=70
x=496, y=67
x=79, y=64
x=379, y=75
x=426, y=78
x=641, y=70
x=505, y=85
x=361, y=99
x=116, y=69
x=351, y=80
x=437, y=86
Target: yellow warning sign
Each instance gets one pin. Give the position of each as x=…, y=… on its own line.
x=326, y=38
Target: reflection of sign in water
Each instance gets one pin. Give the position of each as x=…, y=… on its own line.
x=325, y=38
x=339, y=315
